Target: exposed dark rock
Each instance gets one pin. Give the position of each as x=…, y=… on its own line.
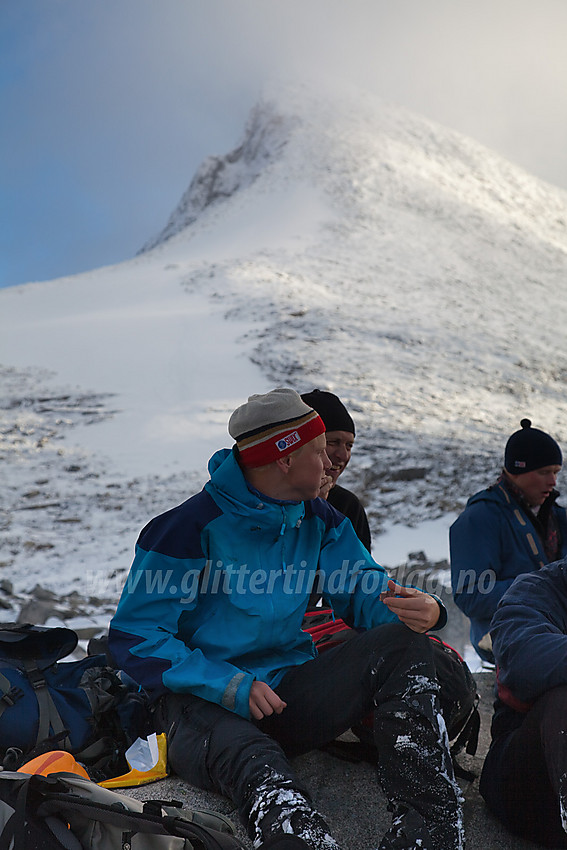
x=409, y=474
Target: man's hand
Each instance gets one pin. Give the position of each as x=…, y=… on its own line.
x=418, y=610
x=264, y=701
x=326, y=485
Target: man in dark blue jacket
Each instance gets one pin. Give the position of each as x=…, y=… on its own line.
x=209, y=623
x=513, y=527
x=524, y=777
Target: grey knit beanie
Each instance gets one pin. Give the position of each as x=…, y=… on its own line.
x=272, y=425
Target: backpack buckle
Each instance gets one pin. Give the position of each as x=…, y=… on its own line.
x=35, y=678
x=12, y=696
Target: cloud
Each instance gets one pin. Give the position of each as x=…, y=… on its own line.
x=109, y=107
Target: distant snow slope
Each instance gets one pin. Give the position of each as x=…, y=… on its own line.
x=344, y=244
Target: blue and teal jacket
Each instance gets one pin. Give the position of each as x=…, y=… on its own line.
x=219, y=585
x=492, y=542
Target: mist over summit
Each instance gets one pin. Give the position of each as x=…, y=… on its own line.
x=365, y=156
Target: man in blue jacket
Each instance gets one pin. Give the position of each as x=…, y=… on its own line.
x=524, y=777
x=513, y=527
x=209, y=622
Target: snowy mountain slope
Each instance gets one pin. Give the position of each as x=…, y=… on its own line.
x=425, y=289
x=344, y=244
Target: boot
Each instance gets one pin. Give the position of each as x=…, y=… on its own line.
x=408, y=831
x=280, y=811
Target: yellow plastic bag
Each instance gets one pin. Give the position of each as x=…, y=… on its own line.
x=141, y=777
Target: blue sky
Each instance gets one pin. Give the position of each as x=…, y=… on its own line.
x=109, y=106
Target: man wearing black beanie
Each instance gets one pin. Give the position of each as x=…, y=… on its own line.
x=340, y=434
x=514, y=526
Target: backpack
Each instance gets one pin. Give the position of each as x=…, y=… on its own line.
x=84, y=707
x=63, y=811
x=458, y=692
x=325, y=630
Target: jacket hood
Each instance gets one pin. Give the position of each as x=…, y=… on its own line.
x=216, y=461
x=490, y=494
x=228, y=488
x=228, y=484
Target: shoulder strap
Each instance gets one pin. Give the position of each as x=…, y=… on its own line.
x=15, y=831
x=14, y=828
x=48, y=714
x=63, y=834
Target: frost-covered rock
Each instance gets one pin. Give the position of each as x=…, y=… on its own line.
x=219, y=177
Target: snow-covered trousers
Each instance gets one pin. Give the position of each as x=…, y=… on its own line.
x=389, y=670
x=524, y=776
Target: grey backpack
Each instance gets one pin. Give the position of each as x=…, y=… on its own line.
x=63, y=810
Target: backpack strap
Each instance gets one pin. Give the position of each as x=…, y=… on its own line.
x=15, y=834
x=14, y=828
x=63, y=834
x=468, y=736
x=9, y=693
x=48, y=714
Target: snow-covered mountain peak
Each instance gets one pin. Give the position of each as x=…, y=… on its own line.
x=364, y=155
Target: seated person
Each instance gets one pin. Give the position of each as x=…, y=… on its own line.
x=340, y=434
x=209, y=623
x=513, y=527
x=524, y=777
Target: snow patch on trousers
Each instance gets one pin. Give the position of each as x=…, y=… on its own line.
x=416, y=770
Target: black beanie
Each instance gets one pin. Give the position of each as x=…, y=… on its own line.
x=530, y=449
x=331, y=410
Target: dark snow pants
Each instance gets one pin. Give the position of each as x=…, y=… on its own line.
x=388, y=670
x=524, y=776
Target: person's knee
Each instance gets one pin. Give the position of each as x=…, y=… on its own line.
x=394, y=646
x=243, y=751
x=237, y=757
x=405, y=665
x=396, y=638
x=209, y=745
